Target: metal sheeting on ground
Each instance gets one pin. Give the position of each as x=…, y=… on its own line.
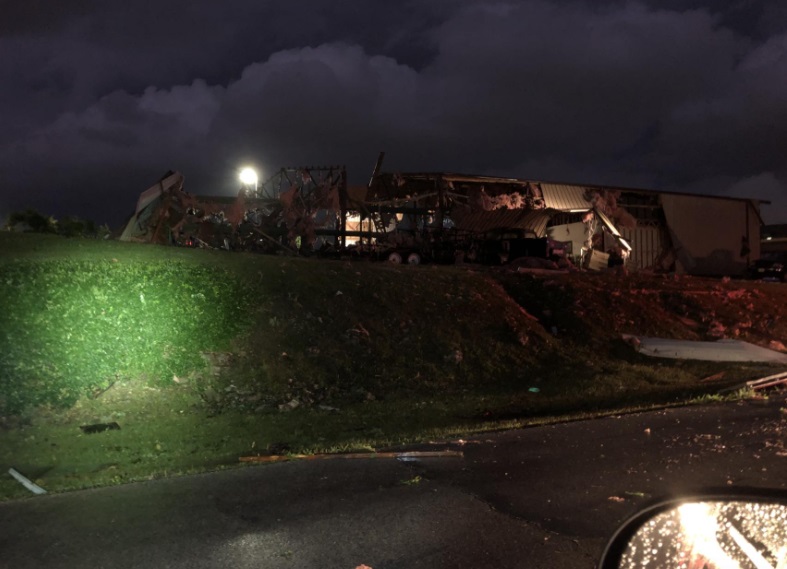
x=534, y=221
x=565, y=197
x=721, y=351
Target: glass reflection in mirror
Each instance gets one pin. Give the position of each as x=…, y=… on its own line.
x=712, y=535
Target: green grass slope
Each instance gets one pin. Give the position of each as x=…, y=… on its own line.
x=203, y=356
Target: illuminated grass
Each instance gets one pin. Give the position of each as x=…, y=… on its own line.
x=195, y=374
x=74, y=327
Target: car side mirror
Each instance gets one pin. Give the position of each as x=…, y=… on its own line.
x=710, y=530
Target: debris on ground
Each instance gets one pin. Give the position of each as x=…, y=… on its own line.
x=724, y=350
x=26, y=482
x=412, y=481
x=777, y=346
x=404, y=456
x=290, y=405
x=99, y=428
x=762, y=383
x=770, y=381
x=715, y=377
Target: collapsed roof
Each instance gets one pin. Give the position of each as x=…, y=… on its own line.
x=315, y=207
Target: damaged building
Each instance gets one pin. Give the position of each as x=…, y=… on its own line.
x=447, y=217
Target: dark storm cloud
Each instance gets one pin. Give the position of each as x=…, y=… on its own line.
x=572, y=80
x=754, y=18
x=40, y=15
x=688, y=97
x=172, y=42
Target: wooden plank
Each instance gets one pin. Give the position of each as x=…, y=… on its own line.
x=769, y=381
x=762, y=383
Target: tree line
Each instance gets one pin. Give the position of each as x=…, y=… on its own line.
x=31, y=220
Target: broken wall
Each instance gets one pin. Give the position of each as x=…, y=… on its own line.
x=574, y=233
x=146, y=213
x=648, y=244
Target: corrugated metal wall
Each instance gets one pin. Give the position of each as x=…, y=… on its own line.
x=565, y=197
x=708, y=233
x=647, y=244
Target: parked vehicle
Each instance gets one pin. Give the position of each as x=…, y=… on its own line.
x=771, y=266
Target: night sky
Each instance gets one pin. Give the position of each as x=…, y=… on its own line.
x=100, y=98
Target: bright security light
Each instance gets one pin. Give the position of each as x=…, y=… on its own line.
x=248, y=176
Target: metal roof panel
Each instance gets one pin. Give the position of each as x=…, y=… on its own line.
x=483, y=221
x=565, y=197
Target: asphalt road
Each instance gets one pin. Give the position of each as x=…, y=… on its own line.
x=539, y=497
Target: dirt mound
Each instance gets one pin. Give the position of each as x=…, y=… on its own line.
x=597, y=309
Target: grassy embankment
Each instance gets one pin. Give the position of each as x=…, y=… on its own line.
x=202, y=357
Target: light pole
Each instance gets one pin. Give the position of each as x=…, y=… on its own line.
x=248, y=177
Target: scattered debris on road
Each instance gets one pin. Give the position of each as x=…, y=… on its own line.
x=412, y=481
